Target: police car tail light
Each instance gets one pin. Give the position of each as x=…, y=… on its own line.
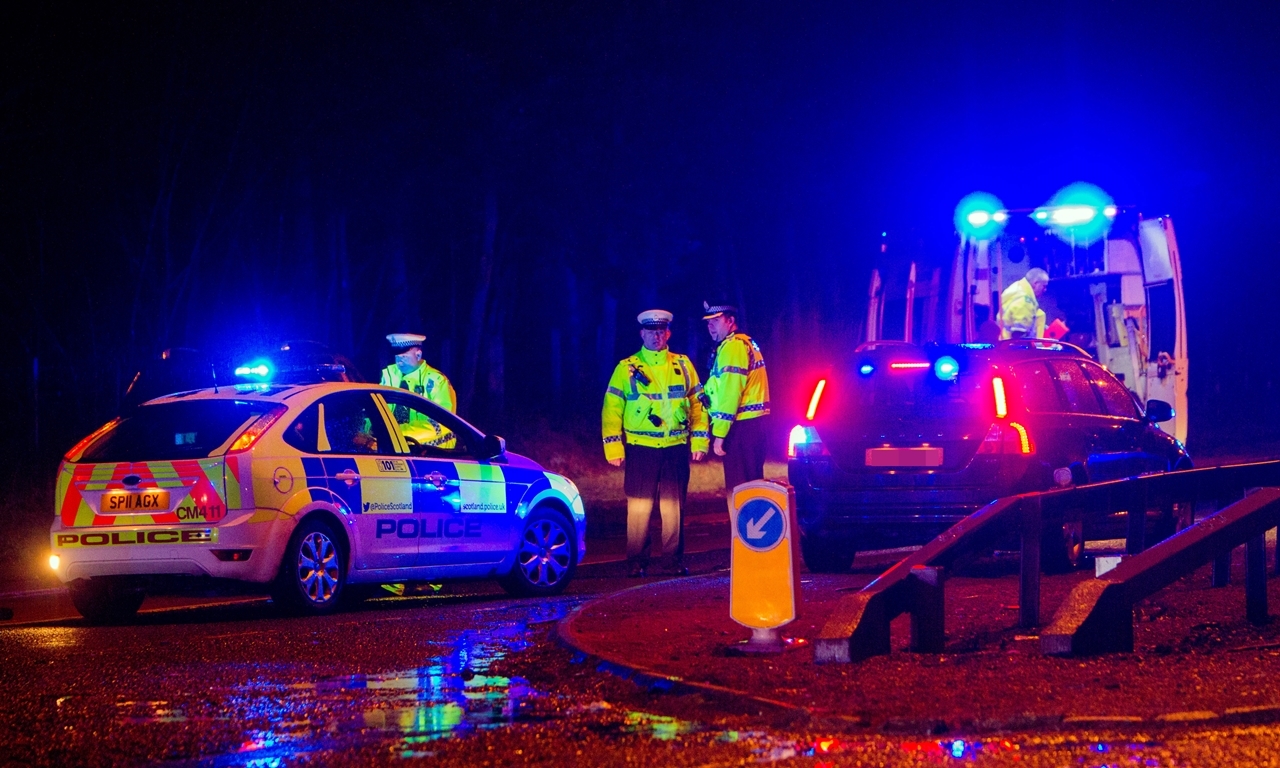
x=815, y=398
x=997, y=390
x=73, y=455
x=250, y=436
x=1012, y=438
x=804, y=441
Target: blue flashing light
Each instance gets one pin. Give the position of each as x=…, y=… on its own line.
x=946, y=368
x=957, y=748
x=866, y=369
x=980, y=216
x=1079, y=213
x=259, y=368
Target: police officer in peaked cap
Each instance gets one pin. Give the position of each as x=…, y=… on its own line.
x=653, y=424
x=738, y=397
x=411, y=372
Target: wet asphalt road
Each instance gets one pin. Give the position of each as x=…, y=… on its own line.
x=465, y=676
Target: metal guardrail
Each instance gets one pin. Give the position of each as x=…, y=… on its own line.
x=859, y=626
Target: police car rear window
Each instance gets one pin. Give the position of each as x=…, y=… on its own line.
x=170, y=431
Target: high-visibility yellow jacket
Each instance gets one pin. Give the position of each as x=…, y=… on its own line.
x=425, y=381
x=1020, y=311
x=738, y=386
x=434, y=386
x=652, y=400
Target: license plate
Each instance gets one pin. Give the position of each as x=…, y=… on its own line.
x=134, y=502
x=904, y=457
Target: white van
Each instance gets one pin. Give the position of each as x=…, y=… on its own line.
x=1120, y=296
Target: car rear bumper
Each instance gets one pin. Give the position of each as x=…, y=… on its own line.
x=178, y=550
x=894, y=507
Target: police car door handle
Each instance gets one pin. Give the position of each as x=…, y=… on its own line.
x=348, y=476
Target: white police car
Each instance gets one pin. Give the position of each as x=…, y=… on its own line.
x=307, y=490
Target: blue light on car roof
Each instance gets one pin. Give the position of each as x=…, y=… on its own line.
x=946, y=368
x=259, y=368
x=866, y=369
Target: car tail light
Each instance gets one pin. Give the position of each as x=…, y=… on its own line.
x=250, y=436
x=1011, y=438
x=815, y=398
x=804, y=442
x=73, y=455
x=997, y=389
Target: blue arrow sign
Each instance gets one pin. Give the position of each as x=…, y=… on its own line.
x=761, y=525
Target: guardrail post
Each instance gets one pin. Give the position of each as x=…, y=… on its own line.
x=1255, y=579
x=1222, y=569
x=928, y=618
x=1277, y=530
x=1222, y=563
x=1136, y=540
x=1029, y=578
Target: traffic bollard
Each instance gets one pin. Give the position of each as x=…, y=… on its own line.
x=764, y=570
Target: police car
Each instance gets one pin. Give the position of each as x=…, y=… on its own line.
x=309, y=491
x=903, y=441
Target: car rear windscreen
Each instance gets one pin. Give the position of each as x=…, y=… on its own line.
x=919, y=396
x=169, y=431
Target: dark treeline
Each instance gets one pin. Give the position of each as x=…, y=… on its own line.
x=518, y=180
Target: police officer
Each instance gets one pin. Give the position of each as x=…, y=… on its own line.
x=738, y=393
x=411, y=372
x=653, y=423
x=1020, y=313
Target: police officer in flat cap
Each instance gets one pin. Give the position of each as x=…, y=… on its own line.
x=412, y=373
x=653, y=423
x=738, y=395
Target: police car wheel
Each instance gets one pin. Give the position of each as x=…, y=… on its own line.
x=544, y=557
x=312, y=575
x=105, y=600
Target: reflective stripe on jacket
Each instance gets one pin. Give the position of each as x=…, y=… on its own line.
x=738, y=386
x=652, y=400
x=425, y=381
x=1020, y=311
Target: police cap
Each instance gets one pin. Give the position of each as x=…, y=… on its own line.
x=402, y=341
x=717, y=309
x=654, y=319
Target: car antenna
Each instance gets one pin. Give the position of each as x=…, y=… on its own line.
x=213, y=371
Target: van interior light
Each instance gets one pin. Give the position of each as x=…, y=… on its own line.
x=997, y=387
x=813, y=400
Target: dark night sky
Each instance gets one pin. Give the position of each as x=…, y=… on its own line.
x=231, y=174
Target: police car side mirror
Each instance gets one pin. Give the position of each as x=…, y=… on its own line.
x=1159, y=411
x=492, y=447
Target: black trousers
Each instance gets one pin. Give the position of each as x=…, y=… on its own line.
x=661, y=473
x=745, y=449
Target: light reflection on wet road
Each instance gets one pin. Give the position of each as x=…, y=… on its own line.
x=243, y=687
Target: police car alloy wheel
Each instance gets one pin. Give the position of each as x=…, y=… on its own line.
x=105, y=600
x=544, y=556
x=312, y=575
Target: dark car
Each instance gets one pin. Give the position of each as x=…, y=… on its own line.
x=903, y=441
